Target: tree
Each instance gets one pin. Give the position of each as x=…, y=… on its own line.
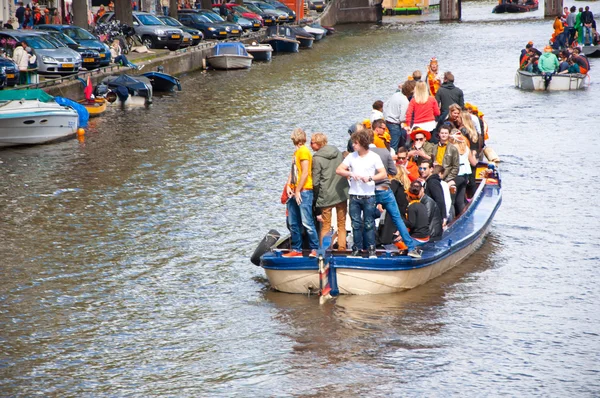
x=123, y=11
x=80, y=17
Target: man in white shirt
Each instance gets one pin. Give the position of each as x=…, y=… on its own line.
x=362, y=167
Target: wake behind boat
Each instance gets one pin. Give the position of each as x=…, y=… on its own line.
x=390, y=272
x=32, y=117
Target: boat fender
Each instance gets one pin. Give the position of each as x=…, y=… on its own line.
x=264, y=246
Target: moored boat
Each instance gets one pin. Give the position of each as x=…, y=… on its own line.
x=30, y=117
x=231, y=55
x=390, y=272
x=163, y=82
x=306, y=39
x=282, y=39
x=95, y=107
x=317, y=32
x=126, y=90
x=515, y=6
x=560, y=82
x=591, y=51
x=260, y=52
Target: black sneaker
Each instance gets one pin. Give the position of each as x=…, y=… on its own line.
x=415, y=253
x=356, y=254
x=372, y=252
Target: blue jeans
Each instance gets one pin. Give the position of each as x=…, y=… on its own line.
x=388, y=201
x=362, y=224
x=302, y=216
x=398, y=135
x=165, y=10
x=121, y=59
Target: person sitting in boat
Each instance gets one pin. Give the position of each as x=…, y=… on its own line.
x=529, y=62
x=466, y=161
x=548, y=63
x=449, y=94
x=330, y=189
x=363, y=168
x=421, y=148
x=417, y=219
x=581, y=60
x=119, y=58
x=433, y=78
x=409, y=167
x=529, y=46
x=563, y=65
x=572, y=67
x=299, y=188
x=422, y=109
x=433, y=187
x=376, y=111
x=446, y=154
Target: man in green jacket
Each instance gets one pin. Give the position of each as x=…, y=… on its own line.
x=330, y=189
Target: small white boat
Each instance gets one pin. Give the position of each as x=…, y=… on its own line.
x=318, y=33
x=260, y=52
x=532, y=81
x=230, y=56
x=29, y=117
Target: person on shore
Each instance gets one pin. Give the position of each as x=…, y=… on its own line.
x=422, y=109
x=28, y=19
x=449, y=94
x=329, y=189
x=299, y=188
x=8, y=24
x=27, y=63
x=19, y=52
x=394, y=110
x=416, y=214
x=433, y=77
x=446, y=154
x=165, y=7
x=421, y=148
x=433, y=187
x=376, y=111
x=118, y=57
x=20, y=14
x=363, y=168
x=385, y=198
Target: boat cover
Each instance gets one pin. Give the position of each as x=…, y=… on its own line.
x=32, y=94
x=281, y=30
x=139, y=85
x=229, y=49
x=301, y=32
x=164, y=76
x=82, y=112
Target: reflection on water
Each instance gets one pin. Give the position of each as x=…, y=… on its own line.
x=124, y=258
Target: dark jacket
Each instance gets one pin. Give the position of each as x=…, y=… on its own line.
x=417, y=220
x=328, y=187
x=433, y=189
x=434, y=217
x=449, y=94
x=451, y=161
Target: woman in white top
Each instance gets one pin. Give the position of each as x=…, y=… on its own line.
x=467, y=158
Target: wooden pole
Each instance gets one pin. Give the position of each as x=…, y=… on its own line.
x=553, y=8
x=450, y=10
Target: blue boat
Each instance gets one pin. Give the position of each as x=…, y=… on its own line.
x=334, y=272
x=282, y=39
x=163, y=82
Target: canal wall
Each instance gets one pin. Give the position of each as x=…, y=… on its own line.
x=173, y=63
x=349, y=11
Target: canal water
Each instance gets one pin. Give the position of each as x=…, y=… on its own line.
x=124, y=259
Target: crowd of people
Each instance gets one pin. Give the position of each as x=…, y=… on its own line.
x=574, y=28
x=414, y=157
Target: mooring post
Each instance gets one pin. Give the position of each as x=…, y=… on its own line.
x=450, y=10
x=552, y=8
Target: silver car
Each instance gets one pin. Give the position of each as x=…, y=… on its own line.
x=51, y=60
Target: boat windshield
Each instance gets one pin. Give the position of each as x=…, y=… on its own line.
x=148, y=20
x=79, y=34
x=213, y=17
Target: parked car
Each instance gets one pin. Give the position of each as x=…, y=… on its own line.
x=282, y=7
x=90, y=59
x=282, y=16
x=317, y=5
x=2, y=77
x=83, y=38
x=241, y=10
x=269, y=17
x=209, y=29
x=248, y=24
x=197, y=35
x=12, y=71
x=153, y=32
x=51, y=60
x=233, y=30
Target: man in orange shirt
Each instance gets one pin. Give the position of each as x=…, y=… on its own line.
x=300, y=192
x=411, y=168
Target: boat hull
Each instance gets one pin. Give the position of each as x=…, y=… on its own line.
x=23, y=123
x=514, y=8
x=591, y=51
x=388, y=273
x=95, y=107
x=281, y=45
x=260, y=53
x=535, y=82
x=230, y=61
x=305, y=42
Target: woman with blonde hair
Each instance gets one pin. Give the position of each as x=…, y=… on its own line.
x=422, y=108
x=465, y=173
x=399, y=184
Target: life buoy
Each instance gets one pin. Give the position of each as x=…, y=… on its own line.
x=264, y=246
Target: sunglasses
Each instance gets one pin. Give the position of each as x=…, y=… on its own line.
x=420, y=139
x=401, y=158
x=423, y=168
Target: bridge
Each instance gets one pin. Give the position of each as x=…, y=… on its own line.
x=357, y=11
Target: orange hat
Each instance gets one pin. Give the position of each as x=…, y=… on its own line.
x=547, y=49
x=418, y=130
